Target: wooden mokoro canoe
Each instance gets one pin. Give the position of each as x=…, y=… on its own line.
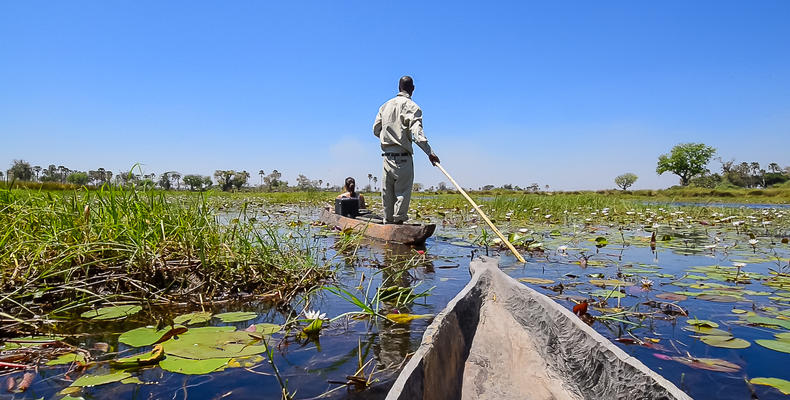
x=499, y=339
x=405, y=233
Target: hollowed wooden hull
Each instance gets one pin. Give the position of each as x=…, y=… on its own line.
x=405, y=234
x=499, y=339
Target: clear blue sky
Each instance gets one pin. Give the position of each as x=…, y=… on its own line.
x=568, y=94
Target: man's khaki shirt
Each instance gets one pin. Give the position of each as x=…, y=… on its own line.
x=398, y=123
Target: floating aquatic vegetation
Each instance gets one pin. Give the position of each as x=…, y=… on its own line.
x=68, y=358
x=138, y=360
x=702, y=323
x=315, y=322
x=236, y=316
x=190, y=366
x=766, y=321
x=114, y=312
x=776, y=383
x=193, y=318
x=146, y=336
x=406, y=318
x=536, y=281
x=710, y=364
x=103, y=379
x=728, y=342
x=776, y=345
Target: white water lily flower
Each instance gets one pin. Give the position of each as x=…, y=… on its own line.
x=315, y=314
x=647, y=282
x=753, y=241
x=547, y=216
x=562, y=249
x=523, y=230
x=739, y=264
x=711, y=246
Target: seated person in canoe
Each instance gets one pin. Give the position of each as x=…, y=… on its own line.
x=350, y=192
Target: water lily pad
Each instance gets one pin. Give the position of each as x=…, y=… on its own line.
x=537, y=281
x=147, y=336
x=132, y=380
x=406, y=318
x=718, y=298
x=728, y=342
x=608, y=293
x=776, y=345
x=236, y=316
x=711, y=285
x=267, y=329
x=609, y=282
x=193, y=367
x=757, y=320
x=709, y=364
x=115, y=312
x=779, y=384
x=193, y=318
x=702, y=322
x=31, y=341
x=212, y=344
x=96, y=380
x=671, y=296
x=601, y=241
x=755, y=293
x=137, y=360
x=702, y=330
x=68, y=358
x=738, y=311
x=784, y=336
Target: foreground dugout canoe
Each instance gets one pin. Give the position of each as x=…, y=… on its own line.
x=406, y=233
x=499, y=339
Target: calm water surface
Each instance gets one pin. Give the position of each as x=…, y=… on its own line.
x=309, y=367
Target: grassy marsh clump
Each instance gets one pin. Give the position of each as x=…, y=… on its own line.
x=64, y=250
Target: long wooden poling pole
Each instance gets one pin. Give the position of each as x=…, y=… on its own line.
x=482, y=214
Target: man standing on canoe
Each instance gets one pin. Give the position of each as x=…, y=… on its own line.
x=398, y=123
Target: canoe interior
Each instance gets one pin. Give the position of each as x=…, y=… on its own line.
x=413, y=234
x=499, y=339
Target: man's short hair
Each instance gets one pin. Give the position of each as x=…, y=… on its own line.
x=406, y=84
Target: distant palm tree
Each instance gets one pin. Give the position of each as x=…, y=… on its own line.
x=62, y=171
x=261, y=173
x=370, y=176
x=37, y=170
x=375, y=182
x=176, y=177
